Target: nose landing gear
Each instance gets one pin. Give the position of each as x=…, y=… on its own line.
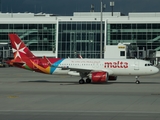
x=137, y=81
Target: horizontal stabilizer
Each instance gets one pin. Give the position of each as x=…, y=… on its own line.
x=47, y=61
x=15, y=62
x=18, y=63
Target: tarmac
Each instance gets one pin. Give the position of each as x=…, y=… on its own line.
x=27, y=95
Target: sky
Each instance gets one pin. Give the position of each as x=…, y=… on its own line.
x=67, y=7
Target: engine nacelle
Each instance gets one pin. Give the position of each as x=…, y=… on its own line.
x=112, y=78
x=73, y=73
x=99, y=76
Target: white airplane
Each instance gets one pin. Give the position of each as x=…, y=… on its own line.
x=94, y=70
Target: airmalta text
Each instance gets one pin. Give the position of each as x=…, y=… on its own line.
x=118, y=64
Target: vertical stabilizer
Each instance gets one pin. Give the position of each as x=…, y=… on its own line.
x=20, y=50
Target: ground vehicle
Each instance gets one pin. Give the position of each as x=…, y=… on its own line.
x=2, y=64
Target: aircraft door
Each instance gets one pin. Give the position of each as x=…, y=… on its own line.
x=136, y=67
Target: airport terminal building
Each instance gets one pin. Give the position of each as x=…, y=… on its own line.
x=68, y=36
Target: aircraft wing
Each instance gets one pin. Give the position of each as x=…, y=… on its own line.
x=110, y=72
x=89, y=70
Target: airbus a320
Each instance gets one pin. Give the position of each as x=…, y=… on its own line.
x=94, y=70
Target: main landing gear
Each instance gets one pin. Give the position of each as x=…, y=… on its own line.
x=137, y=81
x=83, y=75
x=81, y=81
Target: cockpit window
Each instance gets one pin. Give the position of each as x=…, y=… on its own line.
x=148, y=65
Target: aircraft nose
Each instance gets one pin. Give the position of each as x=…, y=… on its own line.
x=156, y=70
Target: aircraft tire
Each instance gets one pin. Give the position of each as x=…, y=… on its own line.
x=137, y=82
x=88, y=80
x=81, y=81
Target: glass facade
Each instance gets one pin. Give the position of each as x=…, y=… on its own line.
x=38, y=37
x=145, y=36
x=79, y=38
x=83, y=37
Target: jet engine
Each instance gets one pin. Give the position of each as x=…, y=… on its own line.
x=99, y=76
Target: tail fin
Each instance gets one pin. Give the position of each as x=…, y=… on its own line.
x=80, y=56
x=20, y=50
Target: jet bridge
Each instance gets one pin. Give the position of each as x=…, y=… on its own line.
x=117, y=51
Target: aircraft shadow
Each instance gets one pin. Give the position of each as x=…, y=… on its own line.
x=134, y=82
x=77, y=83
x=47, y=81
x=63, y=82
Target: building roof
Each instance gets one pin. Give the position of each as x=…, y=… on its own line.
x=148, y=17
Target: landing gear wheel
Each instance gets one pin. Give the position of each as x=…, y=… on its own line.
x=81, y=81
x=88, y=80
x=137, y=82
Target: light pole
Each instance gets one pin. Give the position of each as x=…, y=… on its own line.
x=112, y=5
x=101, y=32
x=92, y=8
x=0, y=6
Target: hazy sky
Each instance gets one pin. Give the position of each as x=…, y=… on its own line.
x=67, y=7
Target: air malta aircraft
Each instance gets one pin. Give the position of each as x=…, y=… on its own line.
x=94, y=70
